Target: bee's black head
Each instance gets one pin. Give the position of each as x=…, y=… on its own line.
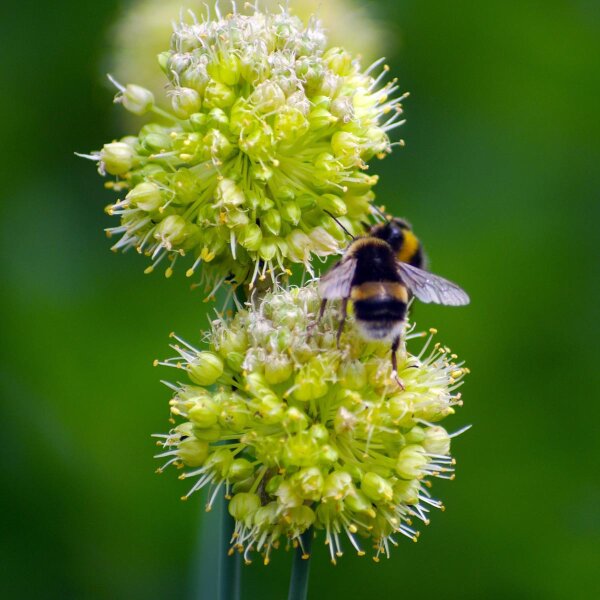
x=392, y=232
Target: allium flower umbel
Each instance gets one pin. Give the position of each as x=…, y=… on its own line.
x=268, y=128
x=298, y=432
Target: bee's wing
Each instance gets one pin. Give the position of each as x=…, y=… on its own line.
x=428, y=287
x=336, y=283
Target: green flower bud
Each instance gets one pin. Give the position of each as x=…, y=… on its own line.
x=291, y=213
x=234, y=416
x=309, y=383
x=204, y=413
x=220, y=460
x=437, y=441
x=216, y=146
x=199, y=121
x=268, y=248
x=332, y=203
x=415, y=436
x=319, y=433
x=243, y=506
x=354, y=375
x=117, y=158
x=322, y=243
x=359, y=503
x=345, y=145
x=228, y=194
x=257, y=385
x=271, y=221
x=345, y=421
x=208, y=434
x=240, y=469
x=376, y=488
x=287, y=495
x=206, y=368
x=298, y=246
x=193, y=452
x=339, y=61
x=218, y=119
x=328, y=455
x=407, y=491
x=266, y=516
x=250, y=237
x=269, y=409
x=295, y=420
x=300, y=519
x=411, y=461
x=172, y=230
x=337, y=485
x=278, y=370
x=218, y=95
x=267, y=97
x=145, y=195
x=226, y=69
x=185, y=102
x=254, y=67
x=155, y=141
x=362, y=183
x=309, y=483
x=290, y=124
x=300, y=450
x=196, y=77
x=232, y=341
x=320, y=118
x=136, y=99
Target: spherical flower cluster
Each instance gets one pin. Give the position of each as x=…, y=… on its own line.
x=140, y=33
x=301, y=433
x=268, y=131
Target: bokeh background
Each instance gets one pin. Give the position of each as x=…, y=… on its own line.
x=500, y=176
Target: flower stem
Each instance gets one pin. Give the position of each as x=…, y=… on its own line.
x=229, y=566
x=300, y=568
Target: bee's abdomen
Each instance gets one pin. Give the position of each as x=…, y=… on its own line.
x=379, y=306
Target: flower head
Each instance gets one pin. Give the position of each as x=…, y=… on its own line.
x=268, y=128
x=300, y=433
x=140, y=33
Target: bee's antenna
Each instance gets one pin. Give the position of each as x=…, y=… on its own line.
x=338, y=222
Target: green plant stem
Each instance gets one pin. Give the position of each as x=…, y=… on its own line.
x=300, y=568
x=229, y=566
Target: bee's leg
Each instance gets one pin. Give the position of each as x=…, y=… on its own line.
x=343, y=313
x=395, y=346
x=315, y=323
x=322, y=309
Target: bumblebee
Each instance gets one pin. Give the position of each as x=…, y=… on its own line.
x=379, y=273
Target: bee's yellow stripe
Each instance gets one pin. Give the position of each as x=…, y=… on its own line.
x=372, y=290
x=409, y=246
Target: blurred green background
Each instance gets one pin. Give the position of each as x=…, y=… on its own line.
x=500, y=176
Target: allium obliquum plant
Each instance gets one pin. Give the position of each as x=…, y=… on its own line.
x=299, y=432
x=267, y=137
x=268, y=127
